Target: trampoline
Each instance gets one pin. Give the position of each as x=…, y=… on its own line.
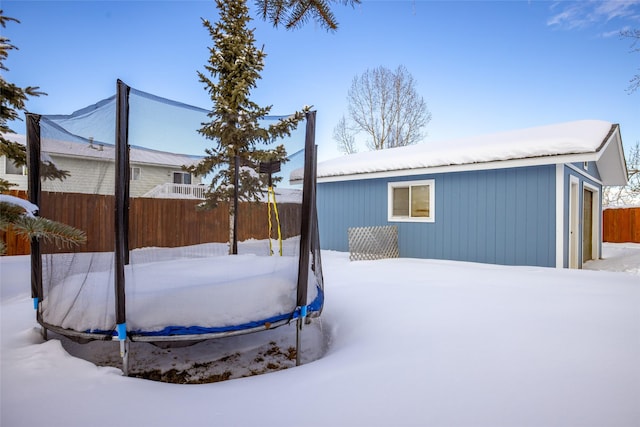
x=156, y=267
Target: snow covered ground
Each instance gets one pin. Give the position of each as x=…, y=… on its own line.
x=401, y=342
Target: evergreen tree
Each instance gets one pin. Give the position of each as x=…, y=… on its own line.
x=294, y=13
x=13, y=214
x=233, y=71
x=12, y=101
x=17, y=215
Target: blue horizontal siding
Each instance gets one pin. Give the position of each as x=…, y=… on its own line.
x=504, y=216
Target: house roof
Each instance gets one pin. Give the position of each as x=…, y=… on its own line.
x=137, y=155
x=577, y=141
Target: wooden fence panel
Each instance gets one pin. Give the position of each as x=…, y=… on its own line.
x=621, y=225
x=253, y=220
x=608, y=228
x=175, y=222
x=15, y=244
x=153, y=222
x=88, y=212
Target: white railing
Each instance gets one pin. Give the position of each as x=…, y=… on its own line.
x=177, y=191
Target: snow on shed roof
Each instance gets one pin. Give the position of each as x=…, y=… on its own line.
x=584, y=140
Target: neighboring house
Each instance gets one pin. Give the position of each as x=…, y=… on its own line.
x=525, y=197
x=16, y=175
x=91, y=170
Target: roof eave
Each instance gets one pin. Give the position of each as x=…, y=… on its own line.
x=497, y=164
x=611, y=161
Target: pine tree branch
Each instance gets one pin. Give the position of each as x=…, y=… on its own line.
x=9, y=214
x=48, y=230
x=295, y=13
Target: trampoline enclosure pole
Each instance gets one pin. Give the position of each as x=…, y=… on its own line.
x=307, y=209
x=308, y=202
x=121, y=212
x=35, y=194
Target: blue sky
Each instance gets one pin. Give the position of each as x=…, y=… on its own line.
x=481, y=66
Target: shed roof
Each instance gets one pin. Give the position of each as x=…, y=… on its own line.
x=583, y=140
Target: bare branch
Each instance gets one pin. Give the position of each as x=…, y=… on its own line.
x=345, y=137
x=628, y=195
x=385, y=105
x=634, y=83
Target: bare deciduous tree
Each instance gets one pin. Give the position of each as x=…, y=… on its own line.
x=345, y=137
x=634, y=83
x=386, y=106
x=630, y=194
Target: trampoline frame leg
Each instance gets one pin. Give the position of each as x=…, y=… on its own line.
x=300, y=322
x=124, y=353
x=298, y=340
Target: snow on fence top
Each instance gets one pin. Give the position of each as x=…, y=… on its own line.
x=577, y=137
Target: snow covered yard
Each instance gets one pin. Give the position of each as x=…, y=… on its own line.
x=403, y=342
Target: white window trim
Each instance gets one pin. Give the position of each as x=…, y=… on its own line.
x=182, y=173
x=400, y=184
x=133, y=174
x=574, y=222
x=596, y=215
x=23, y=169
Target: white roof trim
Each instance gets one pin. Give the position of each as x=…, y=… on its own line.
x=502, y=164
x=611, y=162
x=100, y=152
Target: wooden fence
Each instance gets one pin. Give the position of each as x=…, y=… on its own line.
x=153, y=222
x=15, y=244
x=621, y=225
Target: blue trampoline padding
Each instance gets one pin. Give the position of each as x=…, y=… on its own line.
x=314, y=306
x=121, y=331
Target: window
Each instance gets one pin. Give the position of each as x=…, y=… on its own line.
x=12, y=169
x=412, y=201
x=181, y=178
x=135, y=173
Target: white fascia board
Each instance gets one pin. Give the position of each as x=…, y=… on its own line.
x=560, y=213
x=611, y=162
x=79, y=157
x=583, y=173
x=111, y=160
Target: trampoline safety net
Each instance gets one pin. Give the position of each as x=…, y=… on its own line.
x=156, y=265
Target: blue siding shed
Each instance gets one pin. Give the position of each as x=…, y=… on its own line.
x=519, y=202
x=492, y=216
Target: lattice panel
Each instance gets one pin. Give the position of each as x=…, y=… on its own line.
x=368, y=243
